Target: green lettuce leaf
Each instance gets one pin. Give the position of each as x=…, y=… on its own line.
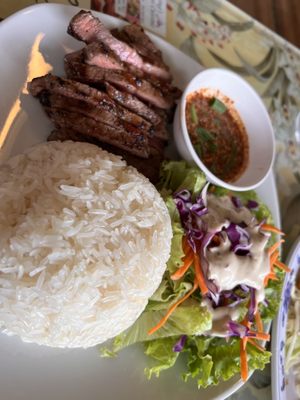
x=177, y=175
x=190, y=319
x=207, y=360
x=177, y=253
x=160, y=350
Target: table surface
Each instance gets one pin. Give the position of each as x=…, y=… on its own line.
x=282, y=16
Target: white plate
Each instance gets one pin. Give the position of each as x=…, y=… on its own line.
x=27, y=371
x=283, y=382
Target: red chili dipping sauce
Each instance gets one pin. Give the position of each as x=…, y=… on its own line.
x=218, y=134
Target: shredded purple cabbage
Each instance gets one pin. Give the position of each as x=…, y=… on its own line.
x=199, y=238
x=178, y=346
x=252, y=305
x=236, y=329
x=244, y=288
x=239, y=238
x=191, y=213
x=252, y=204
x=236, y=202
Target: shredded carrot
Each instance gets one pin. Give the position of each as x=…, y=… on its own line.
x=199, y=275
x=282, y=266
x=246, y=323
x=251, y=341
x=260, y=335
x=271, y=228
x=270, y=277
x=188, y=261
x=172, y=308
x=274, y=257
x=275, y=246
x=244, y=363
x=244, y=342
x=185, y=245
x=258, y=321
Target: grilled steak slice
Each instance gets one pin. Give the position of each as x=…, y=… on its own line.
x=97, y=53
x=99, y=112
x=133, y=142
x=65, y=87
x=132, y=103
x=161, y=131
x=149, y=168
x=135, y=36
x=165, y=87
x=75, y=69
x=89, y=101
x=84, y=26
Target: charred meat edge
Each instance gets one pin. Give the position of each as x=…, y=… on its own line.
x=87, y=28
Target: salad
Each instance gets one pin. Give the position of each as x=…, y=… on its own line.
x=222, y=283
x=292, y=359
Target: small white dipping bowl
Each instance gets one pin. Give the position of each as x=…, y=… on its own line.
x=254, y=116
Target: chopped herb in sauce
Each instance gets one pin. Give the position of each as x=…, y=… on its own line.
x=194, y=114
x=204, y=134
x=218, y=135
x=218, y=106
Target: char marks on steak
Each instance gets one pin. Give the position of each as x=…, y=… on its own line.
x=90, y=74
x=75, y=96
x=133, y=103
x=117, y=94
x=97, y=53
x=135, y=37
x=84, y=26
x=134, y=142
x=98, y=113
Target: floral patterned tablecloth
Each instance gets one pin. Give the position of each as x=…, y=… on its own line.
x=218, y=34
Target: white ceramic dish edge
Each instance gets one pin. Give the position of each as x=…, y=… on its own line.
x=64, y=376
x=254, y=116
x=283, y=381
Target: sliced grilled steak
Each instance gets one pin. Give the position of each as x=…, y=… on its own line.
x=84, y=26
x=161, y=131
x=65, y=87
x=132, y=103
x=149, y=168
x=135, y=36
x=165, y=87
x=97, y=53
x=111, y=116
x=133, y=142
x=89, y=101
x=75, y=69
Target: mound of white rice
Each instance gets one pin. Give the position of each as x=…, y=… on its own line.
x=84, y=240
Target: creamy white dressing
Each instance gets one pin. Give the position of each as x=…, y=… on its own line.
x=227, y=269
x=220, y=318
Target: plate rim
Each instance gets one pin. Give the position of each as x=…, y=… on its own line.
x=278, y=332
x=276, y=212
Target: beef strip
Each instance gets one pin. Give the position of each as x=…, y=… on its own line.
x=97, y=53
x=149, y=168
x=166, y=87
x=133, y=142
x=84, y=26
x=89, y=101
x=76, y=69
x=99, y=113
x=132, y=103
x=135, y=36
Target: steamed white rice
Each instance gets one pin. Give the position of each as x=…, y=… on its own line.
x=84, y=240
